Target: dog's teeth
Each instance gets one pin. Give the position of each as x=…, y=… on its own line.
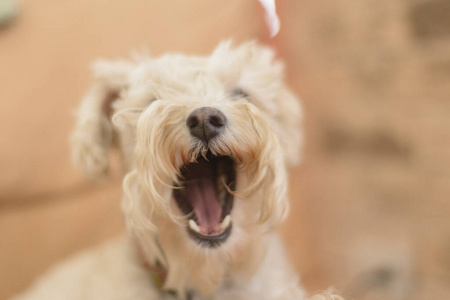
x=225, y=223
x=194, y=226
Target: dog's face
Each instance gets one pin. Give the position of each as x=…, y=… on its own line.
x=205, y=141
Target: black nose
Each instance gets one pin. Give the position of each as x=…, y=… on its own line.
x=206, y=122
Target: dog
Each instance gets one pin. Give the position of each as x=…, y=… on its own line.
x=204, y=142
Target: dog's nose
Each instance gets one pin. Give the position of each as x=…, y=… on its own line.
x=206, y=122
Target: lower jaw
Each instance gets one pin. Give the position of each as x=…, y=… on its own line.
x=210, y=241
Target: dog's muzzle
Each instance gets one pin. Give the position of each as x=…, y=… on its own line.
x=206, y=122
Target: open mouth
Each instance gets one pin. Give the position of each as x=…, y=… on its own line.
x=205, y=196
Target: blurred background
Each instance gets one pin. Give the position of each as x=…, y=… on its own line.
x=370, y=203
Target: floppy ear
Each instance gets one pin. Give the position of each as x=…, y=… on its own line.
x=263, y=78
x=93, y=133
x=290, y=119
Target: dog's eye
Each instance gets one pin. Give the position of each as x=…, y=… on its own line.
x=239, y=93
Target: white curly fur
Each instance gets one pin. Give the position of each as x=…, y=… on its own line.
x=141, y=106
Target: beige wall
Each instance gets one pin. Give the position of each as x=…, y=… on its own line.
x=370, y=202
x=375, y=78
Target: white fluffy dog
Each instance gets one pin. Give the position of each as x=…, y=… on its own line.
x=204, y=143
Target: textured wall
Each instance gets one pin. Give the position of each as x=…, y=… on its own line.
x=375, y=78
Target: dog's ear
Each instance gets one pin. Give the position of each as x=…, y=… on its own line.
x=262, y=77
x=290, y=119
x=93, y=133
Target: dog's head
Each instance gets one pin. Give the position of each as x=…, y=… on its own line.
x=205, y=142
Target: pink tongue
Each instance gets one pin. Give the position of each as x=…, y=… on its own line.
x=203, y=197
